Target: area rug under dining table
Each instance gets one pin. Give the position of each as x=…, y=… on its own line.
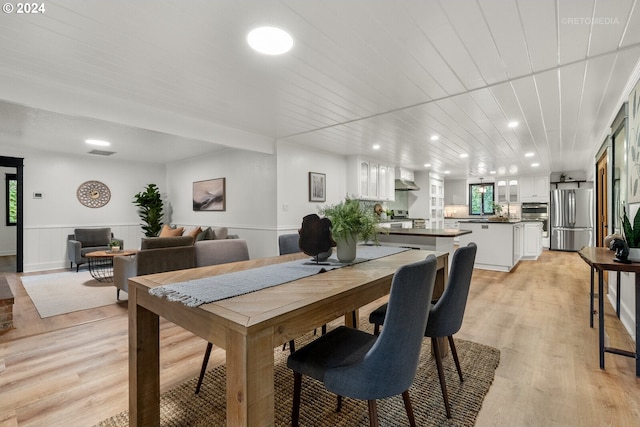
x=182, y=407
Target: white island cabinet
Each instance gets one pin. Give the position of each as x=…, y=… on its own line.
x=500, y=244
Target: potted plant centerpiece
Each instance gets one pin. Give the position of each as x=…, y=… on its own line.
x=351, y=223
x=632, y=234
x=114, y=245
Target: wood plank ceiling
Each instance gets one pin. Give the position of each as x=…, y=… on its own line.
x=362, y=72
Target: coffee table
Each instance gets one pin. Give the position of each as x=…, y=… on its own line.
x=101, y=263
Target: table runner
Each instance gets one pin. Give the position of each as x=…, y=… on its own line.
x=194, y=293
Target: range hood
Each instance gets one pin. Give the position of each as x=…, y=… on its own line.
x=406, y=185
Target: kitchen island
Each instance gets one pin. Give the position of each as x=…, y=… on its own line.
x=433, y=239
x=501, y=245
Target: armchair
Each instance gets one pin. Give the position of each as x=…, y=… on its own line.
x=85, y=240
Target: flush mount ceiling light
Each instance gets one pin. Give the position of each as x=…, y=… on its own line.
x=464, y=155
x=270, y=40
x=535, y=165
x=492, y=172
x=528, y=154
x=97, y=142
x=427, y=165
x=434, y=137
x=513, y=124
x=376, y=146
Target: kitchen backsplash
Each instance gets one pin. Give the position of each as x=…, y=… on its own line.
x=462, y=211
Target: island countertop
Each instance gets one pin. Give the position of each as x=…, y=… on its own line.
x=426, y=232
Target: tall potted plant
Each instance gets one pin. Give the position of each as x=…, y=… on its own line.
x=350, y=223
x=632, y=234
x=150, y=207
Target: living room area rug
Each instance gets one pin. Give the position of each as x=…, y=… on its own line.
x=181, y=407
x=66, y=292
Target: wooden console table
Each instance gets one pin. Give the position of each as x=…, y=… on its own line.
x=250, y=326
x=601, y=260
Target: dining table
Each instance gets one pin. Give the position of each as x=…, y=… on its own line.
x=251, y=325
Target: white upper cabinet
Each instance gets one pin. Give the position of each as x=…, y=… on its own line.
x=506, y=190
x=455, y=192
x=369, y=180
x=534, y=189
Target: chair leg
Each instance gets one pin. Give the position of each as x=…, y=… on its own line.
x=376, y=330
x=339, y=406
x=455, y=357
x=324, y=329
x=297, y=387
x=117, y=294
x=443, y=385
x=292, y=346
x=373, y=413
x=205, y=362
x=77, y=267
x=407, y=406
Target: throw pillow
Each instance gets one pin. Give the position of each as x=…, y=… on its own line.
x=170, y=232
x=194, y=233
x=219, y=233
x=204, y=234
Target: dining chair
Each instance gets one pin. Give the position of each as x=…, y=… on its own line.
x=232, y=250
x=360, y=365
x=446, y=314
x=288, y=243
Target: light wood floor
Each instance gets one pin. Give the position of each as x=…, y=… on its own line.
x=71, y=370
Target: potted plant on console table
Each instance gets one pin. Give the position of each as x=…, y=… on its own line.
x=632, y=235
x=350, y=223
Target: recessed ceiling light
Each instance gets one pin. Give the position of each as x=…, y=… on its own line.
x=535, y=165
x=513, y=124
x=528, y=155
x=464, y=155
x=376, y=146
x=447, y=171
x=97, y=142
x=427, y=165
x=492, y=172
x=434, y=137
x=270, y=40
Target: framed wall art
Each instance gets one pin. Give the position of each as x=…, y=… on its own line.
x=633, y=158
x=317, y=187
x=210, y=195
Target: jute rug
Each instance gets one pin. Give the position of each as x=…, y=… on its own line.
x=66, y=292
x=181, y=407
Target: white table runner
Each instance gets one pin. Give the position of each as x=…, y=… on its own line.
x=194, y=293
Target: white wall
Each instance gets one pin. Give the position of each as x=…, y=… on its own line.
x=250, y=195
x=294, y=164
x=7, y=233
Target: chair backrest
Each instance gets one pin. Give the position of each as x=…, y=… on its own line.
x=446, y=315
x=92, y=237
x=389, y=367
x=288, y=243
x=213, y=252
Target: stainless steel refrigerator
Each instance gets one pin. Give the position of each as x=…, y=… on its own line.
x=571, y=219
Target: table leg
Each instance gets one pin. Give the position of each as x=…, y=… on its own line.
x=591, y=300
x=250, y=370
x=601, y=316
x=618, y=294
x=144, y=364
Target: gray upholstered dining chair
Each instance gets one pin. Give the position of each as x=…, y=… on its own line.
x=288, y=243
x=445, y=317
x=360, y=365
x=235, y=250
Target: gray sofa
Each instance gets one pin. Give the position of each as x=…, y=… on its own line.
x=161, y=254
x=85, y=240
